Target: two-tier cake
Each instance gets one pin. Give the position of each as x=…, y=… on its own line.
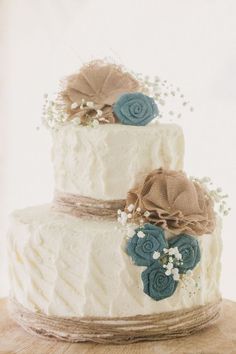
x=130, y=247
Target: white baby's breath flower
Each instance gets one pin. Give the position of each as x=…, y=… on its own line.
x=156, y=255
x=176, y=277
x=130, y=207
x=175, y=272
x=138, y=210
x=90, y=104
x=146, y=214
x=99, y=113
x=169, y=265
x=168, y=272
x=123, y=218
x=171, y=251
x=141, y=234
x=74, y=105
x=178, y=256
x=129, y=216
x=118, y=211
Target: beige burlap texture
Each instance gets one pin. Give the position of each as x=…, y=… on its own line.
x=98, y=82
x=88, y=207
x=174, y=202
x=117, y=330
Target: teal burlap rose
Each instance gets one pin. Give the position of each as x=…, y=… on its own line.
x=165, y=260
x=156, y=283
x=144, y=243
x=189, y=249
x=135, y=109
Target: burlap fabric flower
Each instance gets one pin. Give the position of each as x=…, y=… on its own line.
x=98, y=82
x=171, y=200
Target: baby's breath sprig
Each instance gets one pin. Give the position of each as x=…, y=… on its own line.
x=216, y=194
x=165, y=94
x=53, y=114
x=87, y=114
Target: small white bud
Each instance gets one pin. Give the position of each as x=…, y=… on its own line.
x=130, y=207
x=141, y=234
x=156, y=255
x=74, y=105
x=99, y=113
x=90, y=104
x=170, y=266
x=176, y=277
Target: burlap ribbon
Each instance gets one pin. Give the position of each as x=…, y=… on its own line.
x=117, y=330
x=80, y=206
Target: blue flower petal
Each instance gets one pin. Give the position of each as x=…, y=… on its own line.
x=156, y=283
x=189, y=248
x=141, y=249
x=135, y=109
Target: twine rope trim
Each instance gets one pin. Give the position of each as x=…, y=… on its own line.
x=81, y=206
x=117, y=330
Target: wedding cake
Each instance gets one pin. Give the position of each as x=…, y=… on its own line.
x=130, y=247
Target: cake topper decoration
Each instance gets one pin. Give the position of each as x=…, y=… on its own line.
x=102, y=92
x=166, y=261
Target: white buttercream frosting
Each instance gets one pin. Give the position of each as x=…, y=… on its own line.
x=105, y=162
x=66, y=266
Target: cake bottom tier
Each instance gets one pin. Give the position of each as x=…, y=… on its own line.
x=64, y=266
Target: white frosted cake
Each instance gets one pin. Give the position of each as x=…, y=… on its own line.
x=130, y=246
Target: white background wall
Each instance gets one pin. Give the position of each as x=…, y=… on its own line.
x=189, y=42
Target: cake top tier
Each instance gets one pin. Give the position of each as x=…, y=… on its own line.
x=105, y=162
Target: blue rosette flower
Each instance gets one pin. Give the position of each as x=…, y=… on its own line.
x=135, y=109
x=165, y=260
x=156, y=283
x=144, y=243
x=189, y=249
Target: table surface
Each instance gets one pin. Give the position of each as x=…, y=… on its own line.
x=217, y=339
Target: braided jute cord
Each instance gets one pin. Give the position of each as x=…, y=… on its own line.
x=117, y=330
x=80, y=206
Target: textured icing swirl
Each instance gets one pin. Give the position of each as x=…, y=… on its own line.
x=105, y=162
x=66, y=266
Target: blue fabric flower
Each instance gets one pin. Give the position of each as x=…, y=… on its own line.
x=148, y=247
x=156, y=283
x=135, y=109
x=189, y=249
x=141, y=249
